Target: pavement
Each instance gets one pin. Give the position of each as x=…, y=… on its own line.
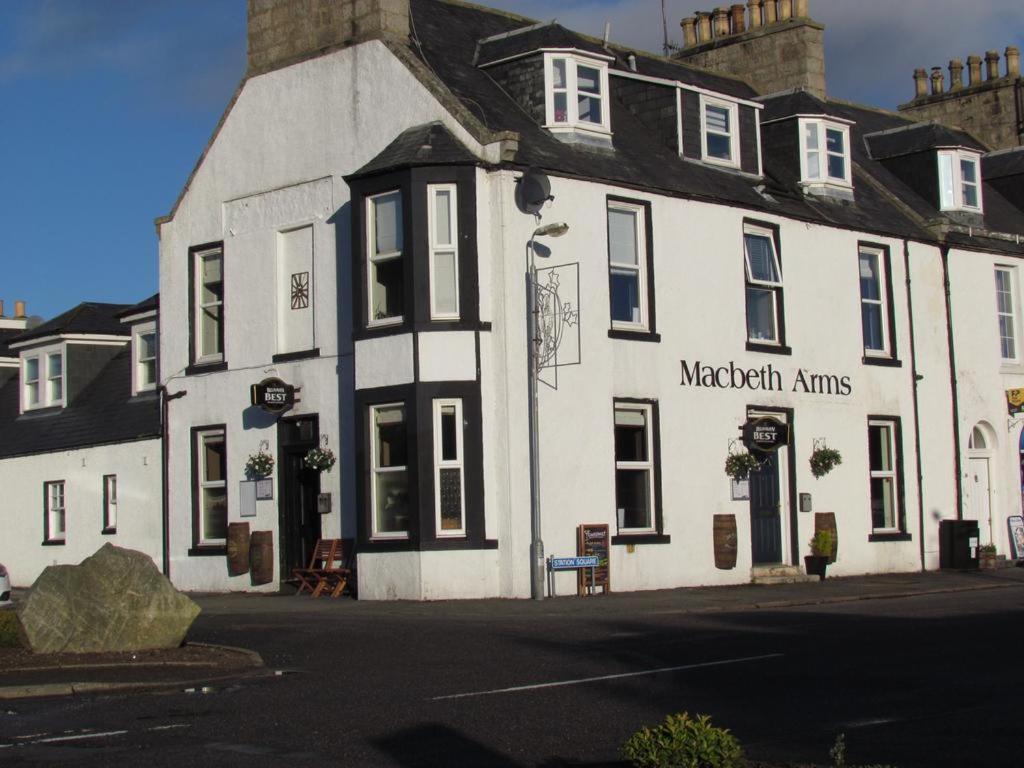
x=205, y=665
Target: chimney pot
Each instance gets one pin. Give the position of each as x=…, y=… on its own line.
x=937, y=82
x=770, y=16
x=755, y=13
x=19, y=310
x=920, y=83
x=973, y=70
x=1012, y=61
x=739, y=18
x=785, y=10
x=721, y=16
x=703, y=26
x=991, y=65
x=689, y=25
x=956, y=74
x=800, y=9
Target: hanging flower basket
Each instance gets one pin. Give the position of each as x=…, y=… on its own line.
x=824, y=460
x=259, y=464
x=320, y=459
x=738, y=466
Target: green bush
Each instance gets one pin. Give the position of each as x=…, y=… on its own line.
x=682, y=742
x=838, y=755
x=9, y=637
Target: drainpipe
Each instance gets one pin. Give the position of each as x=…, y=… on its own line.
x=952, y=383
x=915, y=378
x=165, y=501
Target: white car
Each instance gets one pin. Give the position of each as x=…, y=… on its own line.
x=5, y=586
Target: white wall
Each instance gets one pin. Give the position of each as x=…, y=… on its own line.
x=137, y=466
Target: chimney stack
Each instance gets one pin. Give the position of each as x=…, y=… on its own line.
x=991, y=65
x=937, y=83
x=920, y=83
x=956, y=74
x=1012, y=61
x=19, y=310
x=973, y=69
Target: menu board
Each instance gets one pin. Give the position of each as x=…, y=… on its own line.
x=593, y=539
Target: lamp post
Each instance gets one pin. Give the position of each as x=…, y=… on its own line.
x=534, y=343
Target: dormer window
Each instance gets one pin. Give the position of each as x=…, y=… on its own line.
x=719, y=129
x=43, y=379
x=144, y=352
x=576, y=96
x=959, y=181
x=824, y=152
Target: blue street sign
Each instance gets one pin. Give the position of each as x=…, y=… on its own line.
x=569, y=563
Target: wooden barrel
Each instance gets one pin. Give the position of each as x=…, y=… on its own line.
x=238, y=548
x=725, y=541
x=826, y=521
x=261, y=557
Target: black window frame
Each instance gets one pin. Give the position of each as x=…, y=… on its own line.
x=899, y=498
x=891, y=358
x=194, y=366
x=48, y=540
x=658, y=536
x=198, y=549
x=108, y=529
x=781, y=347
x=650, y=333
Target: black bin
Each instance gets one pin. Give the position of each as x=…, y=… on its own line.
x=958, y=544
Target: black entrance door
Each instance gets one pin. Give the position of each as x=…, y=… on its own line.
x=765, y=516
x=299, y=487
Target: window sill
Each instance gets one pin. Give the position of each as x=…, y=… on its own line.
x=890, y=537
x=287, y=357
x=108, y=531
x=54, y=543
x=639, y=335
x=769, y=349
x=208, y=551
x=718, y=162
x=641, y=538
x=198, y=369
x=884, y=362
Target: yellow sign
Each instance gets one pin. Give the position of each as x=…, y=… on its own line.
x=1015, y=400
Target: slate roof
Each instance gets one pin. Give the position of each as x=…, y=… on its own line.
x=1008, y=162
x=429, y=144
x=146, y=305
x=918, y=137
x=87, y=318
x=104, y=412
x=6, y=335
x=525, y=40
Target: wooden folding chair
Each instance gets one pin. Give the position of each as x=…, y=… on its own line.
x=326, y=571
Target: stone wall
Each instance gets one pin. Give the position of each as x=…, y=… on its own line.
x=284, y=31
x=988, y=112
x=775, y=58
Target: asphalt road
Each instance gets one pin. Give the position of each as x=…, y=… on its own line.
x=931, y=681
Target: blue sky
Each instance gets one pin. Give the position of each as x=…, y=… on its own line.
x=107, y=104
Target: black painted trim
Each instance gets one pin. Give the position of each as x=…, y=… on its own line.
x=197, y=548
x=769, y=349
x=890, y=537
x=652, y=325
x=47, y=539
x=953, y=384
x=287, y=357
x=199, y=370
x=285, y=481
x=890, y=304
x=659, y=518
x=192, y=251
x=641, y=538
x=881, y=362
x=647, y=336
x=107, y=530
x=900, y=485
x=914, y=383
x=207, y=551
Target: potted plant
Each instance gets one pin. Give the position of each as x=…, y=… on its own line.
x=823, y=460
x=823, y=544
x=987, y=557
x=259, y=464
x=738, y=466
x=320, y=459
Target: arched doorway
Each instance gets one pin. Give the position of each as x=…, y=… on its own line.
x=981, y=448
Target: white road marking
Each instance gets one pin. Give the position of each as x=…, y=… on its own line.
x=561, y=683
x=871, y=721
x=79, y=737
x=169, y=727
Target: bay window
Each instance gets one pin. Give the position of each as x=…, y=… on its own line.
x=959, y=180
x=386, y=269
x=449, y=462
x=444, y=251
x=824, y=152
x=389, y=483
x=576, y=93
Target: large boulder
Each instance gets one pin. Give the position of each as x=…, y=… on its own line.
x=114, y=600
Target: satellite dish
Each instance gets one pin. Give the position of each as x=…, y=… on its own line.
x=533, y=189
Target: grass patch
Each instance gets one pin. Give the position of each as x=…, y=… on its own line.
x=9, y=637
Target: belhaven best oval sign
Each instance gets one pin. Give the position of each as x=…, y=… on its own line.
x=765, y=434
x=273, y=395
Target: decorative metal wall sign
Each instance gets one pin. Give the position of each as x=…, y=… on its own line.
x=558, y=300
x=300, y=290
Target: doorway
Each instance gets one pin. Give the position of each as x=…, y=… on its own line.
x=980, y=454
x=766, y=512
x=299, y=486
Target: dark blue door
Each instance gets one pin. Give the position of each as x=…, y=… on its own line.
x=765, y=517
